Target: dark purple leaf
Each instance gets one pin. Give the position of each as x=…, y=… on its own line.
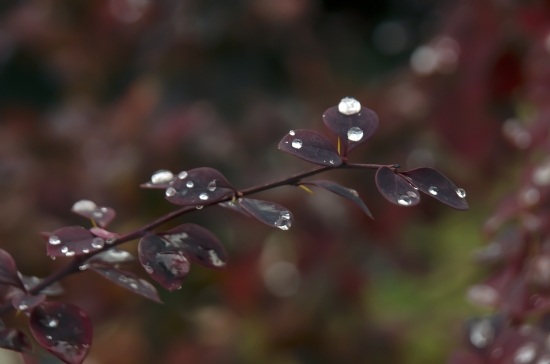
x=342, y=191
x=434, y=184
x=104, y=234
x=13, y=339
x=310, y=146
x=230, y=205
x=161, y=179
x=88, y=209
x=198, y=244
x=129, y=281
x=198, y=187
x=269, y=213
x=112, y=257
x=54, y=289
x=73, y=240
x=8, y=270
x=63, y=329
x=353, y=129
x=161, y=262
x=395, y=188
x=26, y=302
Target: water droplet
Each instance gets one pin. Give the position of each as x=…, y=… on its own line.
x=349, y=106
x=296, y=143
x=461, y=193
x=404, y=200
x=189, y=184
x=292, y=132
x=134, y=285
x=170, y=191
x=52, y=323
x=353, y=192
x=148, y=269
x=283, y=223
x=199, y=207
x=52, y=257
x=216, y=261
x=182, y=175
x=162, y=176
x=482, y=333
x=355, y=134
x=432, y=190
x=85, y=251
x=110, y=241
x=64, y=250
x=174, y=262
x=70, y=254
x=331, y=161
x=412, y=194
x=525, y=354
x=97, y=214
x=54, y=240
x=97, y=243
x=23, y=307
x=203, y=196
x=211, y=186
x=83, y=267
x=285, y=215
x=104, y=210
x=84, y=205
x=48, y=337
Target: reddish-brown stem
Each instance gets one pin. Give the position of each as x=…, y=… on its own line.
x=74, y=265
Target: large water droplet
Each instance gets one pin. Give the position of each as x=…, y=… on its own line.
x=69, y=254
x=349, y=106
x=162, y=176
x=292, y=132
x=211, y=186
x=432, y=190
x=482, y=333
x=189, y=184
x=64, y=250
x=285, y=215
x=296, y=143
x=97, y=243
x=182, y=175
x=404, y=200
x=84, y=205
x=355, y=134
x=203, y=196
x=174, y=262
x=54, y=240
x=461, y=193
x=283, y=222
x=170, y=191
x=525, y=354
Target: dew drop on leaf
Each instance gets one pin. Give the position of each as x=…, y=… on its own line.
x=203, y=196
x=170, y=191
x=291, y=132
x=296, y=143
x=404, y=200
x=182, y=175
x=211, y=186
x=189, y=184
x=349, y=106
x=432, y=190
x=64, y=250
x=54, y=240
x=461, y=193
x=162, y=176
x=355, y=134
x=84, y=205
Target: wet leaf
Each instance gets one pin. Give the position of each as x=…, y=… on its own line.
x=436, y=185
x=200, y=186
x=54, y=289
x=73, y=240
x=161, y=179
x=13, y=339
x=269, y=213
x=395, y=188
x=104, y=234
x=8, y=270
x=128, y=281
x=26, y=302
x=353, y=130
x=112, y=257
x=342, y=191
x=165, y=265
x=312, y=147
x=230, y=205
x=63, y=329
x=100, y=214
x=198, y=244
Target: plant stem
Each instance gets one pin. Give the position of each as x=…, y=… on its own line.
x=74, y=266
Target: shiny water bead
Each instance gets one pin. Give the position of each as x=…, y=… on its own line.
x=355, y=134
x=51, y=322
x=110, y=241
x=526, y=353
x=353, y=192
x=432, y=190
x=331, y=161
x=83, y=267
x=482, y=334
x=296, y=143
x=283, y=222
x=461, y=193
x=349, y=106
x=292, y=132
x=211, y=186
x=54, y=240
x=162, y=176
x=85, y=251
x=97, y=243
x=70, y=254
x=84, y=205
x=133, y=285
x=182, y=175
x=189, y=184
x=199, y=207
x=64, y=250
x=97, y=214
x=412, y=194
x=404, y=200
x=171, y=191
x=203, y=196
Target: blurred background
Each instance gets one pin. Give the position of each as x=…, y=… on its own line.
x=96, y=95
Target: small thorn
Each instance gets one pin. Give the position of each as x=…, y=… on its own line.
x=338, y=145
x=306, y=189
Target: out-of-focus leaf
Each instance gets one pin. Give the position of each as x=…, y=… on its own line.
x=13, y=339
x=100, y=214
x=199, y=186
x=310, y=146
x=435, y=184
x=129, y=281
x=54, y=289
x=8, y=270
x=354, y=129
x=26, y=302
x=395, y=188
x=269, y=213
x=73, y=240
x=63, y=329
x=104, y=234
x=198, y=244
x=342, y=191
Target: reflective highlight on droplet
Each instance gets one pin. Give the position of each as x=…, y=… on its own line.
x=355, y=134
x=349, y=106
x=296, y=143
